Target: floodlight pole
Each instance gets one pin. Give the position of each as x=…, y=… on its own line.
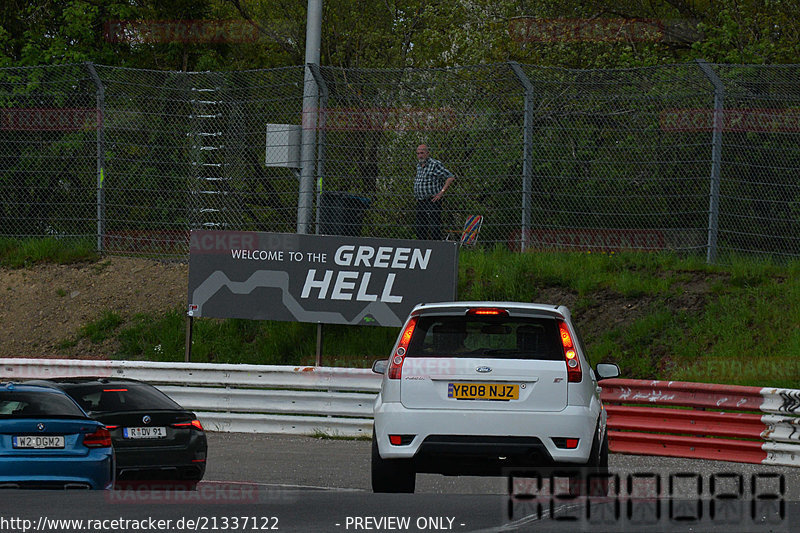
x=308, y=152
x=309, y=118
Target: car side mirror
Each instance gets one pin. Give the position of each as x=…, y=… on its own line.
x=379, y=366
x=607, y=370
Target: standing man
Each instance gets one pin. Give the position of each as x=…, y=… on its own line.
x=430, y=184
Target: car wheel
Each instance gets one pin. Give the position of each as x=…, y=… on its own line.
x=598, y=479
x=391, y=475
x=604, y=452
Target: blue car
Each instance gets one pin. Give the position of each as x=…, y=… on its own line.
x=47, y=441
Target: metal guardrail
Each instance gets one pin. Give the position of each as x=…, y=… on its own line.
x=703, y=421
x=299, y=400
x=678, y=419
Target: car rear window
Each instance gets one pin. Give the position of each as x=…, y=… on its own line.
x=119, y=397
x=31, y=404
x=488, y=337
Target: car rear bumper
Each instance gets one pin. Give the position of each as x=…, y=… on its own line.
x=162, y=463
x=518, y=438
x=94, y=471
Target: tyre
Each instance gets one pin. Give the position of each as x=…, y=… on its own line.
x=391, y=475
x=604, y=452
x=598, y=478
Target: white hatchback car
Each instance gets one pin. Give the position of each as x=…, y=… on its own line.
x=481, y=388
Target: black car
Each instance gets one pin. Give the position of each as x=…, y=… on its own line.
x=155, y=439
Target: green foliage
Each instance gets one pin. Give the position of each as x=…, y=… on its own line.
x=16, y=253
x=742, y=328
x=154, y=338
x=102, y=328
x=749, y=334
x=497, y=274
x=748, y=316
x=750, y=32
x=403, y=33
x=751, y=311
x=253, y=342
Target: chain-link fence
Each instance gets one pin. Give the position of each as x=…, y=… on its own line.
x=696, y=158
x=48, y=152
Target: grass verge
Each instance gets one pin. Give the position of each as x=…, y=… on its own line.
x=658, y=315
x=25, y=253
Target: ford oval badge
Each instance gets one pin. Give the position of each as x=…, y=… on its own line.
x=483, y=369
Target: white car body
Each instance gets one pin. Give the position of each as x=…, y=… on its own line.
x=422, y=425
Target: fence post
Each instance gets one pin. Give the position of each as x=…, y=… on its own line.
x=716, y=158
x=101, y=156
x=527, y=153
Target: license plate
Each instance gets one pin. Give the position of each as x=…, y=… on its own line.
x=38, y=442
x=483, y=391
x=145, y=433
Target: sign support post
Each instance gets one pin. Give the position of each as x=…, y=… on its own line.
x=319, y=343
x=187, y=357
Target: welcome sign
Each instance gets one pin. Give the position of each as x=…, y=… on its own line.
x=315, y=278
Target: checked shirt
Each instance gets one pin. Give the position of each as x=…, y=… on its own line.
x=430, y=179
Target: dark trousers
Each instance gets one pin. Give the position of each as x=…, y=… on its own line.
x=429, y=220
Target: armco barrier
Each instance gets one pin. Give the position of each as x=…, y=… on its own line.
x=670, y=418
x=703, y=421
x=241, y=398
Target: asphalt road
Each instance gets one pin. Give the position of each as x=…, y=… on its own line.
x=344, y=465
x=286, y=483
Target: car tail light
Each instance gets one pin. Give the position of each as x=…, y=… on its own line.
x=396, y=362
x=194, y=423
x=574, y=373
x=487, y=311
x=99, y=439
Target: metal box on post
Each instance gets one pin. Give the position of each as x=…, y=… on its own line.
x=283, y=146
